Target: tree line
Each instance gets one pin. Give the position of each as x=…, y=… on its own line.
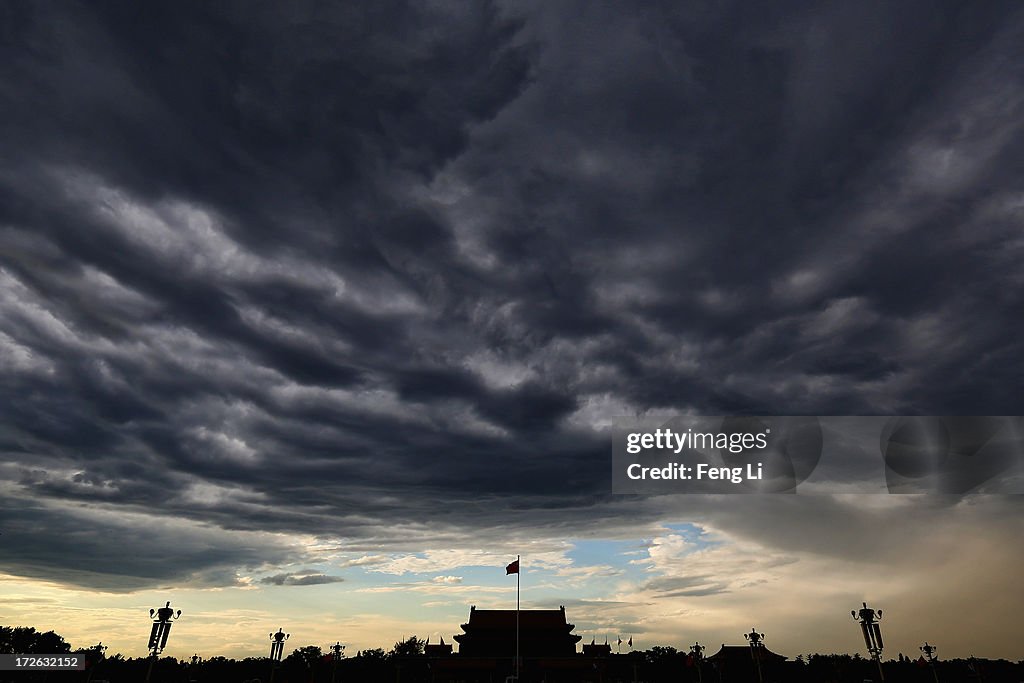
x=404, y=663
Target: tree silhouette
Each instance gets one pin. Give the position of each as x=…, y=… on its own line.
x=410, y=647
x=28, y=641
x=306, y=656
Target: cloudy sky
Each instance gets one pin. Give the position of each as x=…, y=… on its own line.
x=315, y=317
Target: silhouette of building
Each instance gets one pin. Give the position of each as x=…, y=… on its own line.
x=492, y=633
x=744, y=653
x=442, y=650
x=597, y=649
x=740, y=662
x=487, y=646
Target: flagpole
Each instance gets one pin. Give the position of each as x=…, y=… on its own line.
x=519, y=570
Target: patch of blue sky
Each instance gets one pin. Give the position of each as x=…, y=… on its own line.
x=619, y=555
x=597, y=552
x=694, y=534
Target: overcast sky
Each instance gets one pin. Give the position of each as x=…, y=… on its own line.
x=316, y=317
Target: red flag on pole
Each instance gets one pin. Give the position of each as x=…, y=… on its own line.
x=512, y=568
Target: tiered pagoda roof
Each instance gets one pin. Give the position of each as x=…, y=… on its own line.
x=492, y=633
x=744, y=653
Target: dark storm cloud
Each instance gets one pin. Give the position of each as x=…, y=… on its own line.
x=297, y=269
x=122, y=551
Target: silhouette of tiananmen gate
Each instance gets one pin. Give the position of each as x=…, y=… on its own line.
x=548, y=654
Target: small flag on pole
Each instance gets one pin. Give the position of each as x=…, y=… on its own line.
x=620, y=640
x=513, y=568
x=630, y=643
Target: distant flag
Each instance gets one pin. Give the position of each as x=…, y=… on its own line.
x=689, y=660
x=921, y=662
x=620, y=641
x=593, y=640
x=606, y=639
x=513, y=568
x=630, y=643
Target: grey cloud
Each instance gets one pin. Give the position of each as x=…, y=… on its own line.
x=124, y=551
x=703, y=591
x=304, y=269
x=298, y=579
x=686, y=586
x=678, y=583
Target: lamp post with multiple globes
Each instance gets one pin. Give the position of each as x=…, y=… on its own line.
x=277, y=650
x=337, y=652
x=756, y=641
x=929, y=654
x=97, y=654
x=697, y=657
x=868, y=620
x=162, y=620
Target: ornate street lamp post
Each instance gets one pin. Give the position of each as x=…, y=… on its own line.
x=337, y=652
x=868, y=620
x=756, y=641
x=929, y=654
x=162, y=619
x=277, y=650
x=697, y=655
x=96, y=656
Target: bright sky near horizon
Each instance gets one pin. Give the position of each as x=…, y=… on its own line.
x=682, y=584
